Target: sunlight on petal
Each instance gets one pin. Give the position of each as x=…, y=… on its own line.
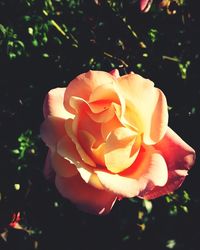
x=62, y=166
x=51, y=130
x=118, y=149
x=148, y=104
x=84, y=84
x=120, y=185
x=53, y=104
x=88, y=142
x=84, y=156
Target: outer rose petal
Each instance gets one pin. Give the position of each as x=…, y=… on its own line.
x=119, y=185
x=52, y=130
x=54, y=164
x=156, y=171
x=62, y=166
x=147, y=107
x=84, y=84
x=150, y=166
x=177, y=153
x=174, y=181
x=49, y=173
x=115, y=73
x=53, y=104
x=179, y=157
x=86, y=197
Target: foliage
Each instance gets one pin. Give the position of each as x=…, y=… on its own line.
x=25, y=143
x=44, y=44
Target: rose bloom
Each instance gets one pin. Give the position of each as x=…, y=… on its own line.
x=108, y=138
x=145, y=5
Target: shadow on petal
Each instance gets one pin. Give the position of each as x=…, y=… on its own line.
x=86, y=197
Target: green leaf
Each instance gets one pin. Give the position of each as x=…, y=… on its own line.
x=12, y=55
x=147, y=205
x=183, y=69
x=173, y=210
x=45, y=39
x=27, y=18
x=153, y=35
x=171, y=244
x=35, y=42
x=186, y=196
x=2, y=31
x=16, y=151
x=184, y=208
x=45, y=55
x=139, y=65
x=17, y=186
x=30, y=31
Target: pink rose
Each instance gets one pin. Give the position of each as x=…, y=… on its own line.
x=108, y=138
x=145, y=5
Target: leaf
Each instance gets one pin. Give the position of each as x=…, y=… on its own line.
x=2, y=31
x=15, y=151
x=147, y=205
x=35, y=43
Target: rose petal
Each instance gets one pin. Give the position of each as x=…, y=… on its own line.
x=115, y=73
x=62, y=166
x=156, y=173
x=146, y=107
x=67, y=150
x=145, y=5
x=83, y=85
x=88, y=142
x=174, y=181
x=48, y=171
x=149, y=167
x=119, y=185
x=177, y=153
x=85, y=123
x=179, y=157
x=51, y=130
x=108, y=127
x=119, y=153
x=101, y=111
x=86, y=197
x=99, y=106
x=53, y=104
x=105, y=92
x=84, y=156
x=104, y=116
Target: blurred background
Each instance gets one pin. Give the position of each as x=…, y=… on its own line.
x=45, y=44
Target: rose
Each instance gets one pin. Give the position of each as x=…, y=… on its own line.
x=108, y=138
x=145, y=5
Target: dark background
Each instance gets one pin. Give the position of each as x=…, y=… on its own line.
x=45, y=44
